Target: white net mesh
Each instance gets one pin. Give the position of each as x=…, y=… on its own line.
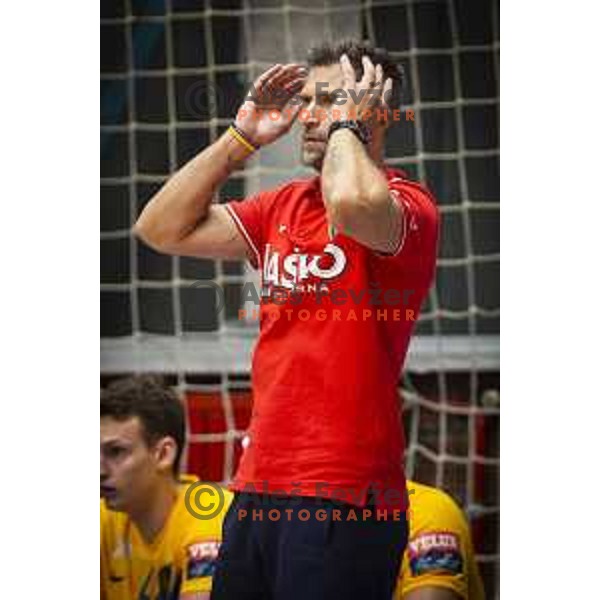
x=173, y=73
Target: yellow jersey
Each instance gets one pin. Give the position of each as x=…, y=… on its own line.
x=439, y=551
x=181, y=559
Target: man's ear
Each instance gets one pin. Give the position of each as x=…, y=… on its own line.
x=165, y=452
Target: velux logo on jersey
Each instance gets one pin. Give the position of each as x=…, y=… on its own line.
x=437, y=540
x=295, y=271
x=435, y=551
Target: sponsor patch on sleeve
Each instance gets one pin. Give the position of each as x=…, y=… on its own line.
x=435, y=552
x=202, y=559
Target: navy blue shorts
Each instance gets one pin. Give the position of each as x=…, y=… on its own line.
x=280, y=548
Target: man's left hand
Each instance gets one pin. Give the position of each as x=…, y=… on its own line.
x=365, y=98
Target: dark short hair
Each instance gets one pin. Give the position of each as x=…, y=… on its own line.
x=157, y=406
x=329, y=53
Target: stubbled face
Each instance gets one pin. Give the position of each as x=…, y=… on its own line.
x=318, y=98
x=129, y=468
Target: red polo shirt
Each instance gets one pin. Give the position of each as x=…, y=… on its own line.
x=335, y=323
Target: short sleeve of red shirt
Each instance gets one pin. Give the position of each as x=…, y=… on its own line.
x=419, y=237
x=248, y=217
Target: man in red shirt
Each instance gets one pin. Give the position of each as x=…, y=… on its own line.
x=346, y=260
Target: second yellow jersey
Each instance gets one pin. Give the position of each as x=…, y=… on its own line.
x=180, y=560
x=439, y=551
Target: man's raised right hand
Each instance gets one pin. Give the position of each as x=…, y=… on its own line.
x=267, y=112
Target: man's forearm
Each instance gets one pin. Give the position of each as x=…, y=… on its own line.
x=183, y=202
x=350, y=179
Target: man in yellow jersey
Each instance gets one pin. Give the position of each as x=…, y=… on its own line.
x=160, y=532
x=439, y=561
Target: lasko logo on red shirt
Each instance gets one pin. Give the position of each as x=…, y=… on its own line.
x=293, y=270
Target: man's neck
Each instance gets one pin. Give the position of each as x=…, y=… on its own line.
x=376, y=148
x=152, y=517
